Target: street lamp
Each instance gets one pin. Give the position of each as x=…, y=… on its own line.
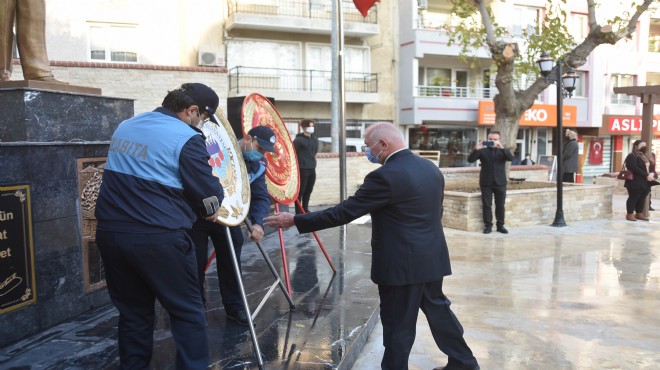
x=568, y=82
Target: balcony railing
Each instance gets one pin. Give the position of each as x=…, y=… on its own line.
x=457, y=92
x=315, y=9
x=297, y=80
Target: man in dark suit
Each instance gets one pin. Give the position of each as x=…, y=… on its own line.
x=410, y=256
x=492, y=179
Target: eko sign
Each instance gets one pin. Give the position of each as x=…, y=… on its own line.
x=539, y=115
x=626, y=125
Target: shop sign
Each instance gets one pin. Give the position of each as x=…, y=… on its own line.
x=539, y=115
x=628, y=125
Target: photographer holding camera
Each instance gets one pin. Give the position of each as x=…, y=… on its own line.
x=492, y=178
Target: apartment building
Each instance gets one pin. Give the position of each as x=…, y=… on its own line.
x=444, y=103
x=278, y=48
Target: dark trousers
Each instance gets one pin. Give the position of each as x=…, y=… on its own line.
x=568, y=177
x=399, y=307
x=487, y=192
x=307, y=180
x=636, y=199
x=227, y=280
x=140, y=268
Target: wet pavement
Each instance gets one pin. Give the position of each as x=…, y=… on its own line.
x=584, y=296
x=333, y=315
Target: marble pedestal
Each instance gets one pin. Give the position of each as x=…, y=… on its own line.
x=44, y=135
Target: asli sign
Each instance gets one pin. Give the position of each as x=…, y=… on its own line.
x=628, y=125
x=539, y=115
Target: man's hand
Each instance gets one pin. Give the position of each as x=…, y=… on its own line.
x=257, y=233
x=214, y=217
x=279, y=220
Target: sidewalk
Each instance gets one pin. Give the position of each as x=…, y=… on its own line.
x=584, y=296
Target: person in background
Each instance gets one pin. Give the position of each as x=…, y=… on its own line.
x=254, y=145
x=639, y=163
x=655, y=175
x=528, y=160
x=410, y=256
x=516, y=158
x=30, y=19
x=492, y=179
x=156, y=182
x=307, y=145
x=569, y=157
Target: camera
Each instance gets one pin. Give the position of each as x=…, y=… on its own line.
x=487, y=143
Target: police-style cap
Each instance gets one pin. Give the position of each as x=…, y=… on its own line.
x=265, y=137
x=205, y=98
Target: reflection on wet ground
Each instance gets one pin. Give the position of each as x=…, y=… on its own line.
x=333, y=315
x=585, y=296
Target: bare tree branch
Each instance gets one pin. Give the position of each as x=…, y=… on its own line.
x=487, y=22
x=591, y=14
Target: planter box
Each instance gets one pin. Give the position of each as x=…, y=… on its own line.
x=463, y=211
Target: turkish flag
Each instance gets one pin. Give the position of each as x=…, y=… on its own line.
x=364, y=5
x=596, y=151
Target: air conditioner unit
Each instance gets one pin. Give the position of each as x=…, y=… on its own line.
x=211, y=58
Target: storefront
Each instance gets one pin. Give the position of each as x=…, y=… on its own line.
x=535, y=128
x=621, y=131
x=452, y=141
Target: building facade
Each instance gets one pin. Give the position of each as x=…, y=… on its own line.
x=280, y=49
x=444, y=103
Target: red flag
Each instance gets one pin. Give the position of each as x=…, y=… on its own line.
x=364, y=5
x=596, y=152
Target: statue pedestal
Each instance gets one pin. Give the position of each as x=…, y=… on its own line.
x=51, y=141
x=49, y=86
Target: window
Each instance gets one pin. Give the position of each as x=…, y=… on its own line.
x=581, y=85
x=579, y=26
x=525, y=19
x=113, y=43
x=622, y=81
x=272, y=54
x=356, y=60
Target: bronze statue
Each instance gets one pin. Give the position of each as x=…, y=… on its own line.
x=30, y=17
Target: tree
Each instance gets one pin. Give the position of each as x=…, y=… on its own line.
x=513, y=66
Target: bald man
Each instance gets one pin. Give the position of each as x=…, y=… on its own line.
x=409, y=252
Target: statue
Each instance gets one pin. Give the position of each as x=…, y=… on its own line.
x=30, y=17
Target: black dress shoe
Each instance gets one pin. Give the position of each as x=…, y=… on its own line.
x=502, y=230
x=488, y=229
x=239, y=317
x=455, y=367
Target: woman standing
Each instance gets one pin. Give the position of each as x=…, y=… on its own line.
x=639, y=187
x=307, y=145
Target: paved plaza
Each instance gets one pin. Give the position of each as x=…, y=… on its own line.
x=583, y=296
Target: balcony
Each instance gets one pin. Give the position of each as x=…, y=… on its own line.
x=299, y=16
x=456, y=92
x=300, y=84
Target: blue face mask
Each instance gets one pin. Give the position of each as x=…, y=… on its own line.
x=370, y=156
x=253, y=155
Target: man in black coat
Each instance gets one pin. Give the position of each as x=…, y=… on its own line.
x=410, y=257
x=492, y=179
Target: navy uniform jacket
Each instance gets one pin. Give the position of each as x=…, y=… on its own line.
x=404, y=198
x=156, y=176
x=492, y=160
x=259, y=197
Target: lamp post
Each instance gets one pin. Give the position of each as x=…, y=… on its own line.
x=565, y=86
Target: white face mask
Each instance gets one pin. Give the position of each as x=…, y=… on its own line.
x=309, y=130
